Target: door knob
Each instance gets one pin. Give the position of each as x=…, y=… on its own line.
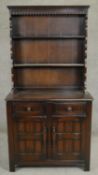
x=29, y=108
x=69, y=108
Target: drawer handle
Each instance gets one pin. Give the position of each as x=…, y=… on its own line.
x=69, y=108
x=29, y=108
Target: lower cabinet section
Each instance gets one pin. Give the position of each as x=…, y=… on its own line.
x=54, y=137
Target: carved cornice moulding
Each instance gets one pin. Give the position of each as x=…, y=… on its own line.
x=42, y=10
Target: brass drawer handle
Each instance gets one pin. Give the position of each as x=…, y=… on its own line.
x=69, y=108
x=29, y=108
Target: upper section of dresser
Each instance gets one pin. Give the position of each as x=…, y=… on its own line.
x=48, y=46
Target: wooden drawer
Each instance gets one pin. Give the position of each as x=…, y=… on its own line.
x=28, y=108
x=74, y=108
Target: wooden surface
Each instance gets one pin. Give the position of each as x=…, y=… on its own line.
x=48, y=110
x=48, y=94
x=51, y=36
x=48, y=77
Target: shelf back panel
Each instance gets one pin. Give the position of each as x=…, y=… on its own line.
x=50, y=51
x=48, y=25
x=48, y=77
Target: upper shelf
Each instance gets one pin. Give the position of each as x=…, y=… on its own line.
x=47, y=65
x=49, y=37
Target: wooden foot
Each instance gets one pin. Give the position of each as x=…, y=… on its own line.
x=87, y=167
x=12, y=168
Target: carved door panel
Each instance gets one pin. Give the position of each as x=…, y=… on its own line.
x=66, y=138
x=30, y=138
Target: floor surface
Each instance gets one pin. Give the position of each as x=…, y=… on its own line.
x=47, y=171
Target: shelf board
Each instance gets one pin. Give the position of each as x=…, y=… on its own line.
x=43, y=37
x=48, y=65
x=81, y=87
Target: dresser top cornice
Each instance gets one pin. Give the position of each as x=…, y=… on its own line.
x=43, y=10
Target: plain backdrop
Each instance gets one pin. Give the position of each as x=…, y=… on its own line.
x=92, y=52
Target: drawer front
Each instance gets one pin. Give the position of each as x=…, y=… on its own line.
x=69, y=108
x=28, y=108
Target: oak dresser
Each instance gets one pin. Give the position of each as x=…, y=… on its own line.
x=48, y=108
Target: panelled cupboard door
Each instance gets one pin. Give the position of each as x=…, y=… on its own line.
x=66, y=137
x=30, y=139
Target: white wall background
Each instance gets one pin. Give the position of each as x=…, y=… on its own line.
x=92, y=52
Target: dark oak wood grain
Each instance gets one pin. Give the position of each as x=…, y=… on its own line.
x=27, y=26
x=48, y=77
x=48, y=110
x=48, y=51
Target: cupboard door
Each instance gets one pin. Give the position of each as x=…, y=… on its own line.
x=66, y=138
x=30, y=139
